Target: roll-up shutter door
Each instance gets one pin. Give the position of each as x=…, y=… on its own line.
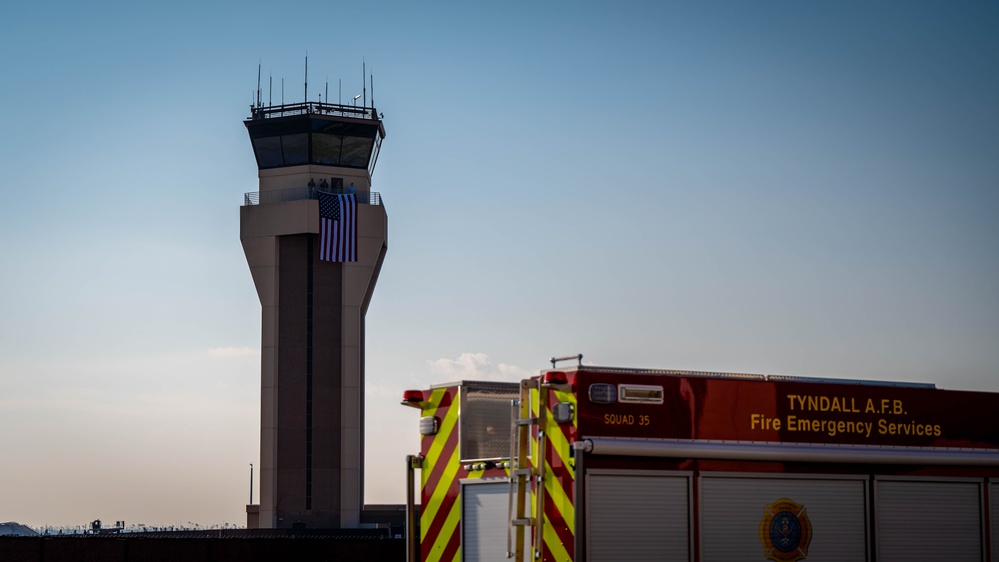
x=832, y=512
x=994, y=517
x=929, y=521
x=485, y=509
x=635, y=517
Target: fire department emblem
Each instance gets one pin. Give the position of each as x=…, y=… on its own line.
x=785, y=531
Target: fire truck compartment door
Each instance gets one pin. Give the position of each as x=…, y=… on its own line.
x=637, y=515
x=738, y=513
x=484, y=511
x=994, y=517
x=927, y=520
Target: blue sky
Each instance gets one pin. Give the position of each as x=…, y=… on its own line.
x=772, y=187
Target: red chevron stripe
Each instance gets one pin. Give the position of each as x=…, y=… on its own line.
x=452, y=545
x=447, y=398
x=435, y=476
x=562, y=476
x=561, y=529
x=440, y=465
x=438, y=523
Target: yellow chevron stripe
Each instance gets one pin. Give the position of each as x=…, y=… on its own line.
x=560, y=499
x=447, y=531
x=447, y=424
x=559, y=444
x=430, y=512
x=436, y=502
x=449, y=528
x=559, y=495
x=554, y=544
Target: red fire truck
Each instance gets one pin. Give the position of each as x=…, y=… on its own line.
x=607, y=464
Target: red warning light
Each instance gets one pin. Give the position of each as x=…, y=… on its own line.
x=556, y=377
x=412, y=398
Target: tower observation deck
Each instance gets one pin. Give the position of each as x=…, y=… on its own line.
x=315, y=162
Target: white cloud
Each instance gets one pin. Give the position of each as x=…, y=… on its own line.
x=475, y=366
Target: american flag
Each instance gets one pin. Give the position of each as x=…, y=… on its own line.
x=337, y=227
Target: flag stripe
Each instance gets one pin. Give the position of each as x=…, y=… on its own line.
x=338, y=227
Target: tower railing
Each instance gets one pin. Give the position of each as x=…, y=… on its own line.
x=317, y=108
x=300, y=193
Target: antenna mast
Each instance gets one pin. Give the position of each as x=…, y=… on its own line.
x=364, y=82
x=306, y=76
x=258, y=84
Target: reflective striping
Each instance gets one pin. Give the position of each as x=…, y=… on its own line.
x=437, y=477
x=445, y=433
x=557, y=535
x=554, y=545
x=559, y=518
x=449, y=539
x=560, y=502
x=444, y=509
x=441, y=510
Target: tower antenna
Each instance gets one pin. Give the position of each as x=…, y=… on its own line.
x=306, y=76
x=270, y=90
x=372, y=78
x=339, y=91
x=327, y=89
x=258, y=83
x=364, y=82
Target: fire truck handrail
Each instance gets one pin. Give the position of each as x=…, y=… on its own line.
x=788, y=452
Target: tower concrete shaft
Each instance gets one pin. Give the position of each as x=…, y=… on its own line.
x=312, y=327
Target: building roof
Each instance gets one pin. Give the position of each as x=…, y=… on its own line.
x=12, y=528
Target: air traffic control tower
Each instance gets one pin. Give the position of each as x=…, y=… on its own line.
x=313, y=305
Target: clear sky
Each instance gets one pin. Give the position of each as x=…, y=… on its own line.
x=801, y=188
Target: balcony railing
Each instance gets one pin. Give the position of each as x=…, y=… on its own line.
x=315, y=108
x=300, y=193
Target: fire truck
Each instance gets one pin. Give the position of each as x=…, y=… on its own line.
x=586, y=463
